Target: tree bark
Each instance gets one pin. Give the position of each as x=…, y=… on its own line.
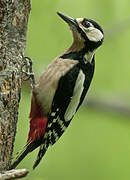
x=13, y=27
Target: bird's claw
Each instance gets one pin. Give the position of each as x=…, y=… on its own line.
x=27, y=72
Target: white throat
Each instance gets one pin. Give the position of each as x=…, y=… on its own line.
x=89, y=56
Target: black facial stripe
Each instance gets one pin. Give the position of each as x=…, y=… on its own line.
x=89, y=46
x=80, y=30
x=78, y=55
x=85, y=23
x=95, y=24
x=74, y=55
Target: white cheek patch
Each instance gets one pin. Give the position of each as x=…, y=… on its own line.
x=94, y=34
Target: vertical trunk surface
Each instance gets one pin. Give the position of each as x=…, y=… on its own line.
x=13, y=27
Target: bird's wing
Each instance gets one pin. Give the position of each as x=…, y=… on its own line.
x=69, y=95
x=65, y=103
x=43, y=95
x=59, y=118
x=56, y=90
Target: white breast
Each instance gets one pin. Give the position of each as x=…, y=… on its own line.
x=79, y=86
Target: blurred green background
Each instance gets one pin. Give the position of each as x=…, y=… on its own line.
x=96, y=146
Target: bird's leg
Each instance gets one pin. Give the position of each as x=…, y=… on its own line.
x=27, y=72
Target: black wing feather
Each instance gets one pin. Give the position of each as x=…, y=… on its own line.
x=56, y=123
x=60, y=103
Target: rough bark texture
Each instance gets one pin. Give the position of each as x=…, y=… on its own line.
x=13, y=27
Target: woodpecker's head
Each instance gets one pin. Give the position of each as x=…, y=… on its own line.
x=87, y=33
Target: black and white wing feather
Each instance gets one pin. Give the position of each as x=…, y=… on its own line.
x=72, y=88
x=70, y=93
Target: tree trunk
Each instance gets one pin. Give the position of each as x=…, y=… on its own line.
x=13, y=27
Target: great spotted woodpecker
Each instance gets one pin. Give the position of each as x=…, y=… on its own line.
x=62, y=87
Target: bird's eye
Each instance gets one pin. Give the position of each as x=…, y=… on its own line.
x=86, y=24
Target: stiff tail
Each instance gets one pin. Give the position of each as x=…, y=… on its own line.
x=27, y=149
x=42, y=151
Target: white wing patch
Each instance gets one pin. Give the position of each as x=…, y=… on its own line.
x=79, y=86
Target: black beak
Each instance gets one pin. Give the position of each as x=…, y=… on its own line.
x=68, y=19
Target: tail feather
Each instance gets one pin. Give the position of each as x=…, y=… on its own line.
x=27, y=149
x=41, y=153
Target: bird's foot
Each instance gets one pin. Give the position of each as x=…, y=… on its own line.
x=27, y=72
